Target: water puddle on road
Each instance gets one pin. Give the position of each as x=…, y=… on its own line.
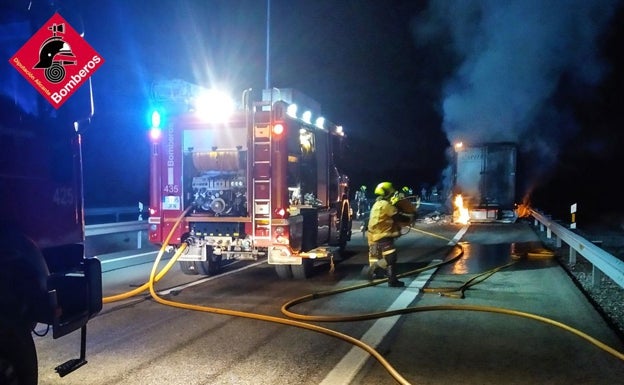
x=478, y=258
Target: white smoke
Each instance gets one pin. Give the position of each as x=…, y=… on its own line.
x=512, y=55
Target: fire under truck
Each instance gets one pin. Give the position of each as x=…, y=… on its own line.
x=485, y=176
x=45, y=279
x=262, y=183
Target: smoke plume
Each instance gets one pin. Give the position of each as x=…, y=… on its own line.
x=512, y=59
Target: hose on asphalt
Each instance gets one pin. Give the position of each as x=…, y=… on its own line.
x=261, y=317
x=443, y=292
x=297, y=319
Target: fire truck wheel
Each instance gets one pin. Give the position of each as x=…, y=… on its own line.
x=344, y=232
x=304, y=270
x=212, y=265
x=188, y=267
x=284, y=271
x=18, y=357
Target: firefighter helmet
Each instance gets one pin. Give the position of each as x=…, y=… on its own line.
x=384, y=189
x=52, y=47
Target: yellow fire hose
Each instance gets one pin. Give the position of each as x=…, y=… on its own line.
x=450, y=291
x=296, y=318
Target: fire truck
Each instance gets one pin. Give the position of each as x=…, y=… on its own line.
x=261, y=182
x=45, y=279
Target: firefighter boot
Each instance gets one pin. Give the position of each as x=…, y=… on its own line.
x=392, y=279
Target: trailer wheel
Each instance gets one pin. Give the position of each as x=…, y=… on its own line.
x=284, y=271
x=18, y=357
x=212, y=264
x=304, y=270
x=188, y=267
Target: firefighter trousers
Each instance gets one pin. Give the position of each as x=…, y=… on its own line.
x=382, y=257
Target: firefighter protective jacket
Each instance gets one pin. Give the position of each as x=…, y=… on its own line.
x=381, y=223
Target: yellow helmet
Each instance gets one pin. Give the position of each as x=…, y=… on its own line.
x=384, y=189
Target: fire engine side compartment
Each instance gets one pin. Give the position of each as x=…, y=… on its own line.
x=316, y=223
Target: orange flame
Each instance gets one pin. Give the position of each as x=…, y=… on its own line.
x=523, y=209
x=461, y=214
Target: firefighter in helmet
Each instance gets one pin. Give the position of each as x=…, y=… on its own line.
x=361, y=202
x=404, y=201
x=383, y=228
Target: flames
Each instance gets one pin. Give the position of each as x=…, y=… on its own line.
x=460, y=215
x=523, y=210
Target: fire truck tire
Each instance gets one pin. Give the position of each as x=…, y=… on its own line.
x=304, y=270
x=188, y=267
x=284, y=271
x=212, y=265
x=344, y=232
x=18, y=357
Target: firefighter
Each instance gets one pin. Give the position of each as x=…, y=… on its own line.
x=402, y=201
x=361, y=202
x=405, y=192
x=383, y=228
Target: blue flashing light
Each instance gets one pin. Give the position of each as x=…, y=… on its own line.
x=155, y=119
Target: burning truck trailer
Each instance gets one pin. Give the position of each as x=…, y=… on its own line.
x=260, y=182
x=484, y=182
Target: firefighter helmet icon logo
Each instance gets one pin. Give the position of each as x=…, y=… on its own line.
x=53, y=53
x=56, y=60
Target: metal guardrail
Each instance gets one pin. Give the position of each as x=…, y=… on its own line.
x=117, y=227
x=602, y=261
x=116, y=212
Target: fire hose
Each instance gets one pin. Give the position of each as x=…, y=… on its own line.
x=153, y=278
x=297, y=320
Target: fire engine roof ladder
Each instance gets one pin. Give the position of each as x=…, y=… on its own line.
x=261, y=213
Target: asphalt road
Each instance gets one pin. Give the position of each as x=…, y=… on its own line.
x=140, y=341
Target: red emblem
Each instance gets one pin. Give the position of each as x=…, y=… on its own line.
x=56, y=60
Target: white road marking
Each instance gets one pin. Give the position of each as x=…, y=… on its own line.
x=177, y=288
x=128, y=257
x=345, y=371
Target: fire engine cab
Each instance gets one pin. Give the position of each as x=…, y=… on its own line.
x=47, y=283
x=260, y=183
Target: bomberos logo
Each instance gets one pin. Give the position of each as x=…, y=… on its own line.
x=56, y=60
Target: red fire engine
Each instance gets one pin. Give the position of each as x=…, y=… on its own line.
x=261, y=183
x=44, y=275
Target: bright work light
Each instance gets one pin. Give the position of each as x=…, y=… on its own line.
x=320, y=122
x=307, y=116
x=291, y=110
x=214, y=106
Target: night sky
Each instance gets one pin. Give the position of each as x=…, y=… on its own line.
x=405, y=79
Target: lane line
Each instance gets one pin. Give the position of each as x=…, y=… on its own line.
x=181, y=287
x=124, y=258
x=348, y=367
x=345, y=371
